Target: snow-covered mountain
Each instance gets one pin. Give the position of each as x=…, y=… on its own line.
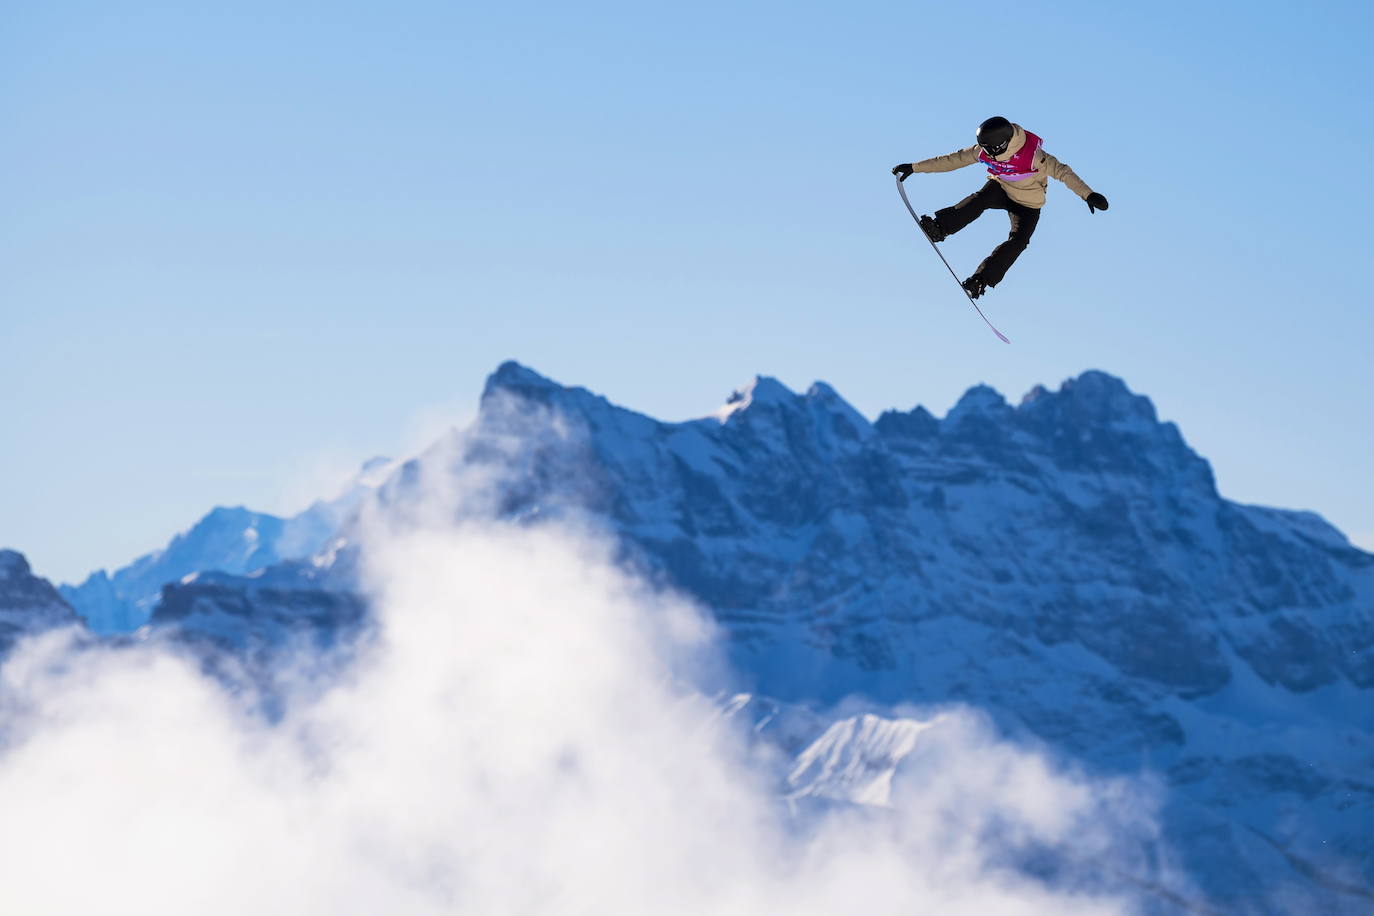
x=28, y=604
x=230, y=540
x=1066, y=565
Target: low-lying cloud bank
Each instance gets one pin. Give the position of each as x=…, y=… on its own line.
x=530, y=732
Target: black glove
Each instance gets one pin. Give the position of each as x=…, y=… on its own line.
x=902, y=171
x=1096, y=202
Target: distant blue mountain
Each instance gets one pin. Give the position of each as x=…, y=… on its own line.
x=229, y=540
x=1066, y=564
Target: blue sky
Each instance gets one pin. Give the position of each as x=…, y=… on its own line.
x=245, y=245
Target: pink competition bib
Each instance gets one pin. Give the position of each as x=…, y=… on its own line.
x=1018, y=167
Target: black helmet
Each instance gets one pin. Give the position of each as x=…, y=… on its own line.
x=994, y=134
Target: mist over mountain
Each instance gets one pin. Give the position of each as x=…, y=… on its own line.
x=1065, y=565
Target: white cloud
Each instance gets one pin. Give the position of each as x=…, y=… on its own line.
x=524, y=738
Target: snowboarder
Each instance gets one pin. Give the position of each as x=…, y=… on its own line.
x=1017, y=168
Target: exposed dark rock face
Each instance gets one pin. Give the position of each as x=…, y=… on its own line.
x=28, y=604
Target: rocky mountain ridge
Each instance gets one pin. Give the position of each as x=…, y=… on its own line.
x=28, y=604
x=1066, y=565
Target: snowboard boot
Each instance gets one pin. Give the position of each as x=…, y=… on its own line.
x=975, y=286
x=932, y=229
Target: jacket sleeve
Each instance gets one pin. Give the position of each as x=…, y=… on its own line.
x=1061, y=172
x=949, y=163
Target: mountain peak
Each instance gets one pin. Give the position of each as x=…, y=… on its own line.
x=978, y=400
x=823, y=391
x=1094, y=399
x=13, y=565
x=512, y=377
x=28, y=603
x=1095, y=421
x=840, y=415
x=761, y=390
x=1099, y=396
x=917, y=423
x=227, y=515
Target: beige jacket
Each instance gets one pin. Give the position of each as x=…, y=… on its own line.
x=1029, y=192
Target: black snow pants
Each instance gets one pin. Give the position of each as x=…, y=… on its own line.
x=992, y=196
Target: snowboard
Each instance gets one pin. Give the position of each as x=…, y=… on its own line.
x=901, y=189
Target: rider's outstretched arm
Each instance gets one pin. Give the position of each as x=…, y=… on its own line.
x=1061, y=172
x=947, y=163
